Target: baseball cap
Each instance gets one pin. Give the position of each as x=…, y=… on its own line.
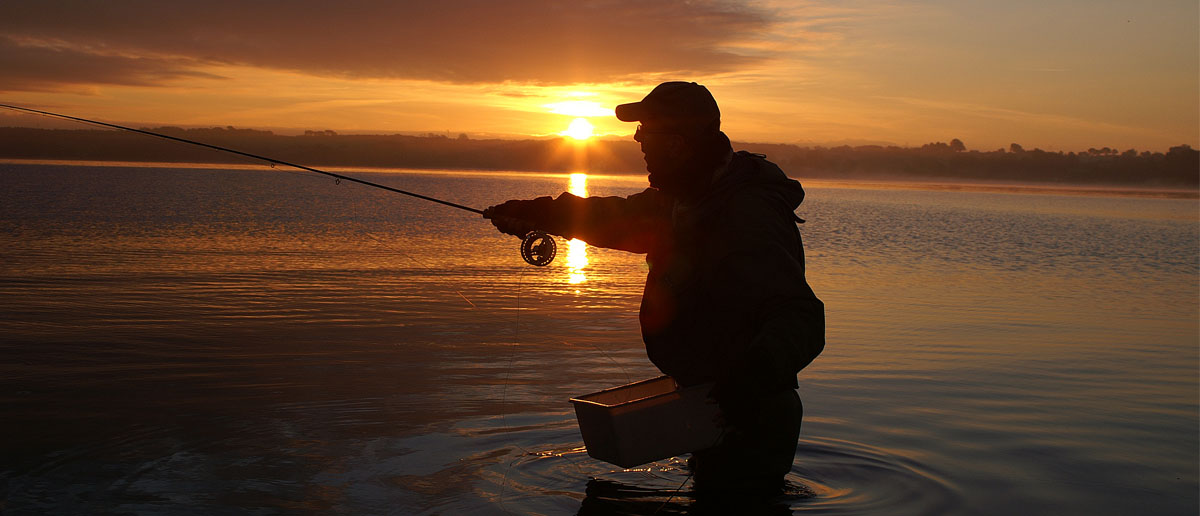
x=673, y=103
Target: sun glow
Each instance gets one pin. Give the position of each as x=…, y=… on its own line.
x=580, y=129
x=579, y=108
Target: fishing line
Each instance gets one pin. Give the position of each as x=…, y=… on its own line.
x=673, y=495
x=370, y=234
x=537, y=247
x=628, y=378
x=504, y=398
x=691, y=473
x=512, y=354
x=421, y=264
x=240, y=153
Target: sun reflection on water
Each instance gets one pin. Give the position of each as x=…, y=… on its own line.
x=577, y=257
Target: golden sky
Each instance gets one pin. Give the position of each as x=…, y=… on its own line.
x=1055, y=74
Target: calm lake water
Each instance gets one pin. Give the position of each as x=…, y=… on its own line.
x=207, y=340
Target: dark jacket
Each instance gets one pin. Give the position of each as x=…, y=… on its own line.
x=725, y=300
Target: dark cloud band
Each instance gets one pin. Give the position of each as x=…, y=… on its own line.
x=33, y=67
x=462, y=42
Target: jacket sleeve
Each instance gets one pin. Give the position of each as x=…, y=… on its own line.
x=632, y=223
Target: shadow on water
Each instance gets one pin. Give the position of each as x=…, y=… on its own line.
x=607, y=497
x=828, y=477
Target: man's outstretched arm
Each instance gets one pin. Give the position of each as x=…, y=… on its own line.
x=633, y=223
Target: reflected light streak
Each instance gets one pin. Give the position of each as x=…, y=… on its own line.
x=578, y=185
x=577, y=249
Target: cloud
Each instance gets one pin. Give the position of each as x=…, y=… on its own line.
x=541, y=42
x=33, y=67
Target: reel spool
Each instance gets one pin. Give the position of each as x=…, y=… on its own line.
x=538, y=248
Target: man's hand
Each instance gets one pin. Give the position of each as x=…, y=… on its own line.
x=503, y=216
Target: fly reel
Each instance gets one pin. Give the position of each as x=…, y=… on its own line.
x=538, y=248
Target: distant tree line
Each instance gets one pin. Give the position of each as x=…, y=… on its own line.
x=1178, y=167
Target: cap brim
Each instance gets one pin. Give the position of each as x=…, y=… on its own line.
x=633, y=112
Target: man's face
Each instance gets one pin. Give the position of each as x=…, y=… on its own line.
x=665, y=153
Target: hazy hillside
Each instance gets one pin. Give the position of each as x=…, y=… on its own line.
x=1179, y=167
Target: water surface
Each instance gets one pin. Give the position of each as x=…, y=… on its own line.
x=192, y=340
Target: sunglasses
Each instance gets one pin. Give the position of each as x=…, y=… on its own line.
x=642, y=131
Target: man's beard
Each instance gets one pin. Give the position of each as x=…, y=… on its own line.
x=665, y=174
x=682, y=179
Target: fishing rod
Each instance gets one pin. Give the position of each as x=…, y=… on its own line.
x=537, y=247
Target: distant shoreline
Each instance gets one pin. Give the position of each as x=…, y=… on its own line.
x=999, y=187
x=943, y=163
x=927, y=184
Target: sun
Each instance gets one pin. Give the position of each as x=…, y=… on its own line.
x=580, y=129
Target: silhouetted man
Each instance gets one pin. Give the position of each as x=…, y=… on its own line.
x=726, y=300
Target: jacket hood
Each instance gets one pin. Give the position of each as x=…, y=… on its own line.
x=748, y=170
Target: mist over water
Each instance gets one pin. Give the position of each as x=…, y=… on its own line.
x=204, y=340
